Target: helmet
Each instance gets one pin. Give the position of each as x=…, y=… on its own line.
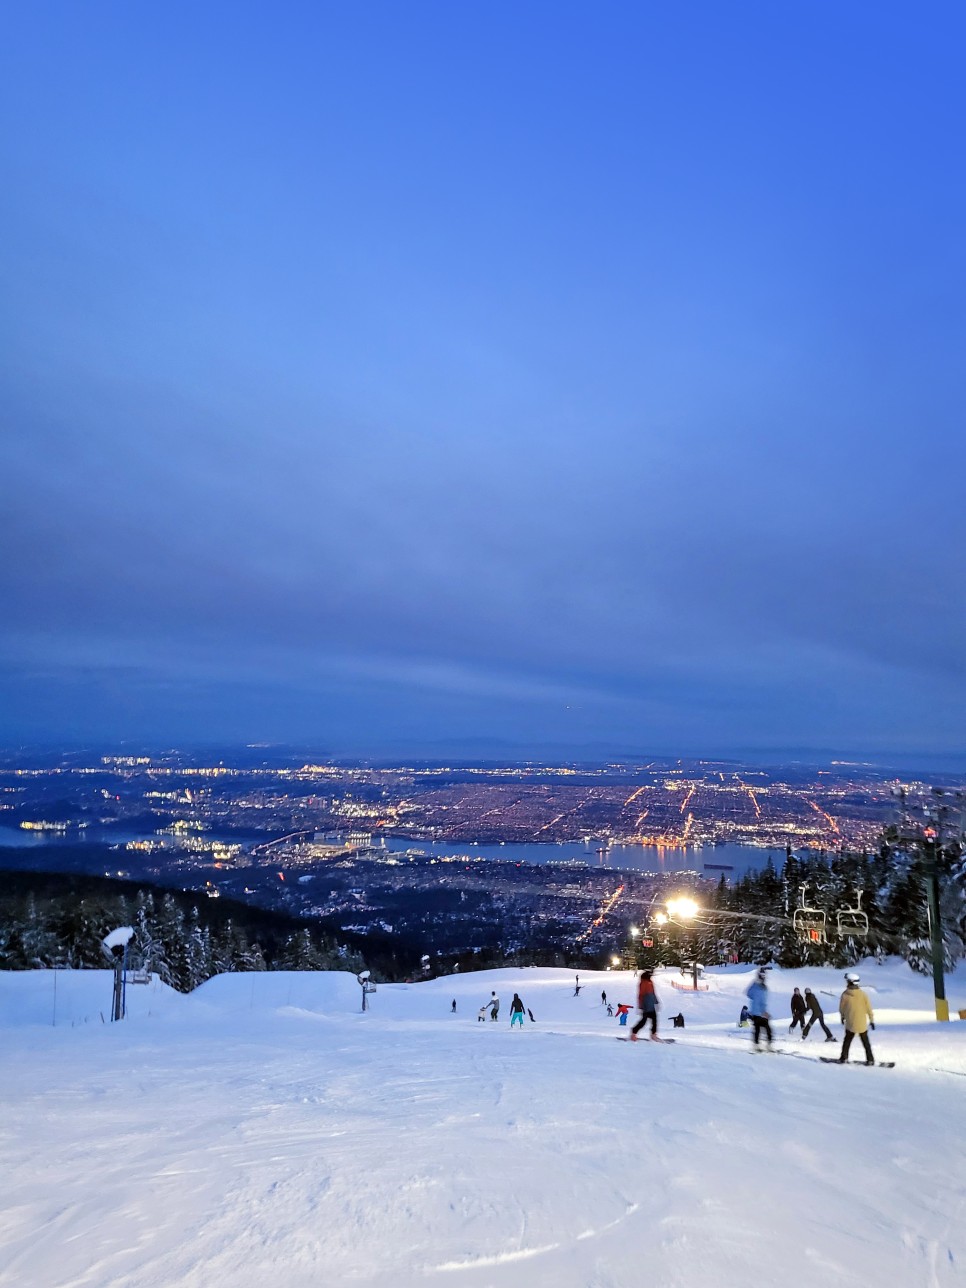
x=852, y=978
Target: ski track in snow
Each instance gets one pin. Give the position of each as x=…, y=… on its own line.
x=263, y=1129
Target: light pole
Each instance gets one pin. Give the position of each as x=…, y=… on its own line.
x=931, y=878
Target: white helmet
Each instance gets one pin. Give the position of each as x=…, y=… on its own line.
x=852, y=978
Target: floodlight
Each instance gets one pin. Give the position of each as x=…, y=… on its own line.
x=683, y=908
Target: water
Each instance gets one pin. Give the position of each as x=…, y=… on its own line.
x=18, y=838
x=642, y=858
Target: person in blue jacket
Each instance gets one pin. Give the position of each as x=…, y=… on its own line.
x=758, y=1005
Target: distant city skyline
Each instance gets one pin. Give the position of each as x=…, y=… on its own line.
x=549, y=381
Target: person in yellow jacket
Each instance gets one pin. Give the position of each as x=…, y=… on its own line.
x=856, y=1012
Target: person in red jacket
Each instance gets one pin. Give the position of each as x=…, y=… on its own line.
x=647, y=1001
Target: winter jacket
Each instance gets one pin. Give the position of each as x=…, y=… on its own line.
x=856, y=1010
x=758, y=997
x=646, y=997
x=798, y=1005
x=516, y=1006
x=812, y=1002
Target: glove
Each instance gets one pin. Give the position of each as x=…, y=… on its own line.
x=872, y=1026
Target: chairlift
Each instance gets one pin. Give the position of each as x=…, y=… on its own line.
x=808, y=923
x=853, y=921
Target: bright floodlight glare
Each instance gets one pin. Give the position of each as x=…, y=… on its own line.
x=635, y=931
x=615, y=961
x=683, y=908
x=660, y=918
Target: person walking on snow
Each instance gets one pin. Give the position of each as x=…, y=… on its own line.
x=758, y=1005
x=494, y=1005
x=603, y=997
x=648, y=1004
x=798, y=1011
x=856, y=1012
x=454, y=1005
x=576, y=986
x=516, y=1011
x=816, y=1016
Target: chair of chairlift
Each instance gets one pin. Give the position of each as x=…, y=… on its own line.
x=853, y=921
x=809, y=923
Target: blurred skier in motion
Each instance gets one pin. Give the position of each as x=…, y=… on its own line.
x=758, y=1005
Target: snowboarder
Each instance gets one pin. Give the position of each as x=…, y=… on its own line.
x=798, y=1011
x=856, y=1012
x=758, y=1005
x=743, y=1018
x=494, y=1005
x=454, y=1006
x=816, y=1016
x=516, y=1011
x=623, y=1010
x=648, y=1004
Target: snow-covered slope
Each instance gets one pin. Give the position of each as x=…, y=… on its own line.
x=263, y=1130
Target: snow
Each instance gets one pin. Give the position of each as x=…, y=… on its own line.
x=264, y=1130
x=118, y=938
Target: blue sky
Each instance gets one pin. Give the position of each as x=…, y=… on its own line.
x=450, y=377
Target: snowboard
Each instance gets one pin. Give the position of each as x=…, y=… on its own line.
x=879, y=1064
x=662, y=1041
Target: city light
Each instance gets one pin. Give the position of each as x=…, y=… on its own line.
x=661, y=918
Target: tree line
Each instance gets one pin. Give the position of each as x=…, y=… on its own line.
x=53, y=922
x=891, y=883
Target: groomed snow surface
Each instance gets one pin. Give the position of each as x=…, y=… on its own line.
x=264, y=1131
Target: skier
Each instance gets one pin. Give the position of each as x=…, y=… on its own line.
x=610, y=1010
x=516, y=1011
x=856, y=1012
x=648, y=1004
x=816, y=1016
x=798, y=1011
x=743, y=1018
x=454, y=1006
x=494, y=1005
x=758, y=999
x=603, y=998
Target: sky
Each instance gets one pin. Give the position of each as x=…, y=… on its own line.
x=461, y=378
